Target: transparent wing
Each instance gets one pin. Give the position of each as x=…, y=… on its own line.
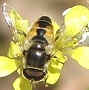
x=75, y=21
x=57, y=59
x=18, y=27
x=17, y=24
x=6, y=15
x=66, y=37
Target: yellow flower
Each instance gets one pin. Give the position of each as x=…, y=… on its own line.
x=66, y=41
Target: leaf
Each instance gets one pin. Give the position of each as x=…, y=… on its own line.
x=53, y=75
x=14, y=50
x=22, y=84
x=81, y=55
x=75, y=20
x=8, y=66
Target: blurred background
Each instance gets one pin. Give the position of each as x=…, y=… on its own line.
x=73, y=76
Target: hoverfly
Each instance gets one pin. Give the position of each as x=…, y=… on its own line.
x=38, y=45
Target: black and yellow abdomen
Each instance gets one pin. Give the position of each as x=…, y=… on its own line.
x=42, y=27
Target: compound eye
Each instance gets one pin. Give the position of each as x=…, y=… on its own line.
x=27, y=73
x=37, y=73
x=34, y=74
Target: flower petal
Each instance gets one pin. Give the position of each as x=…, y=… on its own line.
x=17, y=22
x=14, y=14
x=59, y=61
x=85, y=38
x=66, y=11
x=53, y=75
x=55, y=27
x=22, y=84
x=20, y=38
x=81, y=55
x=7, y=65
x=22, y=25
x=56, y=64
x=14, y=50
x=75, y=20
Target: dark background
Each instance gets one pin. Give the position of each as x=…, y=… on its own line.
x=73, y=76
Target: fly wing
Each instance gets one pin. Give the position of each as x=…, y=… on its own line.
x=17, y=24
x=57, y=58
x=67, y=40
x=18, y=27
